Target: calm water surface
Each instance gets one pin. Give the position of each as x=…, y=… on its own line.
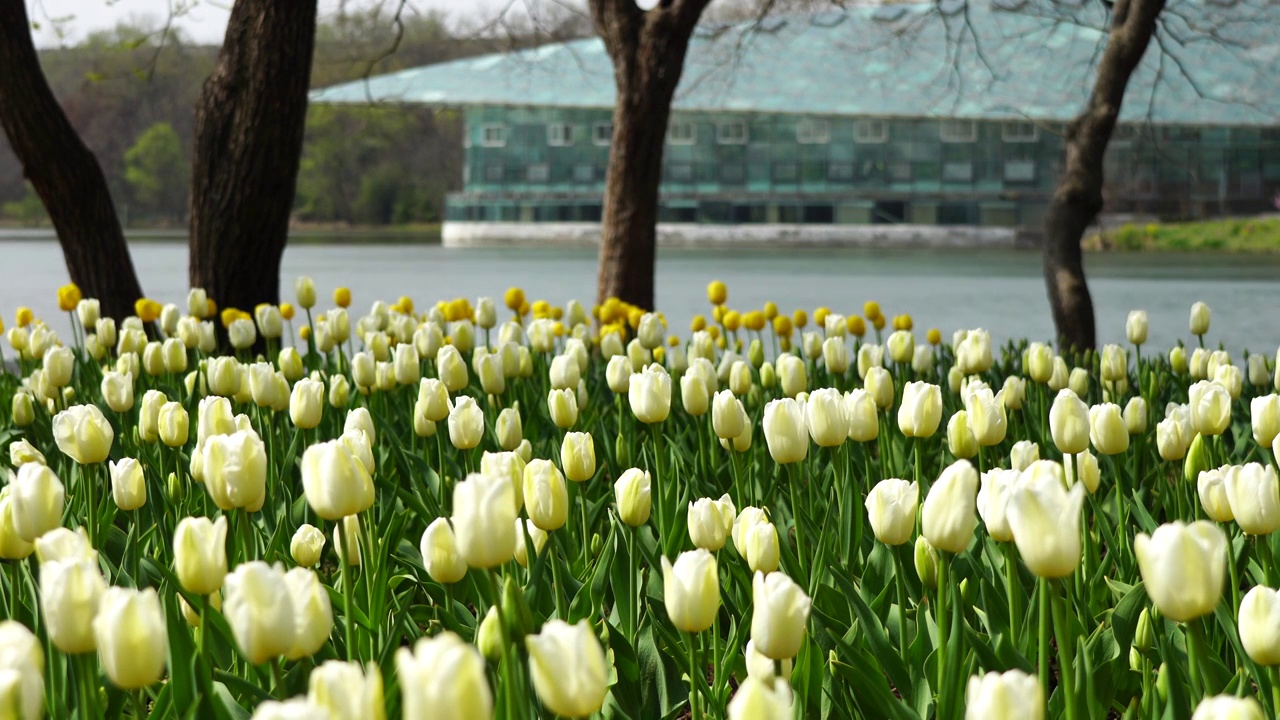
x=1000, y=290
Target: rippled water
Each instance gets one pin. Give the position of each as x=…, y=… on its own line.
x=1000, y=290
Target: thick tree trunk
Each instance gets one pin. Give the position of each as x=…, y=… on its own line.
x=648, y=50
x=63, y=171
x=1078, y=197
x=248, y=143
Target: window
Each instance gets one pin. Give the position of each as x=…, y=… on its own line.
x=1019, y=171
x=493, y=135
x=538, y=172
x=1016, y=132
x=959, y=131
x=813, y=131
x=871, y=131
x=733, y=132
x=559, y=134
x=680, y=172
x=493, y=173
x=733, y=174
x=957, y=172
x=584, y=173
x=785, y=172
x=682, y=132
x=602, y=133
x=840, y=172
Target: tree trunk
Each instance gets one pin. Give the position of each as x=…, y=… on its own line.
x=1078, y=197
x=248, y=143
x=63, y=171
x=648, y=50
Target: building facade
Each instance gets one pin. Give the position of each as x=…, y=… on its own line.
x=548, y=164
x=911, y=135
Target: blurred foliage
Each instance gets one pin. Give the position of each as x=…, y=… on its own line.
x=1260, y=234
x=131, y=92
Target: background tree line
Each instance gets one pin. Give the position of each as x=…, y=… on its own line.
x=129, y=92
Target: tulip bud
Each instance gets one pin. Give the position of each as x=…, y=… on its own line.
x=306, y=545
x=466, y=423
x=578, y=456
x=921, y=410
x=997, y=696
x=1253, y=492
x=879, y=383
x=1199, y=364
x=973, y=356
x=825, y=416
x=1178, y=360
x=70, y=591
x=1199, y=321
x=1210, y=408
x=563, y=408
x=484, y=520
x=1114, y=363
x=21, y=672
x=258, y=606
x=1228, y=707
x=235, y=470
x=756, y=698
x=710, y=522
x=1107, y=429
x=784, y=431
x=835, y=354
x=1082, y=468
x=304, y=291
x=1044, y=517
x=1069, y=423
x=313, y=613
x=537, y=537
x=781, y=611
x=347, y=533
x=1259, y=373
x=891, y=506
x=335, y=480
x=36, y=502
x=22, y=452
x=83, y=434
x=926, y=562
x=901, y=346
x=1135, y=327
x=650, y=395
x=694, y=395
x=466, y=694
x=1183, y=567
x=691, y=590
x=547, y=496
x=768, y=376
x=128, y=487
x=132, y=637
x=1061, y=377
x=960, y=440
x=23, y=410
x=347, y=690
x=489, y=637
x=568, y=668
x=200, y=554
x=632, y=493
x=1135, y=416
x=869, y=356
x=1260, y=625
x=947, y=518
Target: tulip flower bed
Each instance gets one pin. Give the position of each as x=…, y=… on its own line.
x=467, y=513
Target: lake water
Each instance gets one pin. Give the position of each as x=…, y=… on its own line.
x=1000, y=290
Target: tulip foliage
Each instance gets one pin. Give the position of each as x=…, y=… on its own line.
x=464, y=512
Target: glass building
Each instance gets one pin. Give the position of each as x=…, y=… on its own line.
x=920, y=115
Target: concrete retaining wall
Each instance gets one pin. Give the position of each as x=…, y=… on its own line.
x=507, y=234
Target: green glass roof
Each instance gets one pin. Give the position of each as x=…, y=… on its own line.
x=1214, y=62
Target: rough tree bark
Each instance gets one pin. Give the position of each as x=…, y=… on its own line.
x=63, y=171
x=648, y=50
x=248, y=143
x=1078, y=197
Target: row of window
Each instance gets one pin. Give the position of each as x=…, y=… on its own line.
x=1012, y=171
x=809, y=131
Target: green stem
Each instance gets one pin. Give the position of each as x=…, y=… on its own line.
x=1235, y=577
x=348, y=623
x=139, y=704
x=13, y=589
x=1012, y=588
x=694, y=695
x=793, y=472
x=1192, y=628
x=1274, y=674
x=901, y=582
x=1042, y=649
x=633, y=585
x=87, y=478
x=659, y=481
x=1066, y=649
x=944, y=617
